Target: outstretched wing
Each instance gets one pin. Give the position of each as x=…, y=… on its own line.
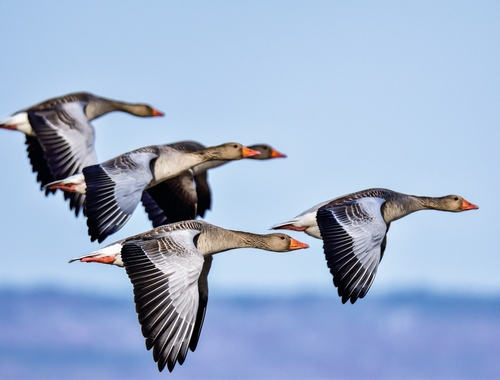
x=172, y=200
x=203, y=193
x=176, y=199
x=203, y=301
x=352, y=236
x=67, y=139
x=114, y=189
x=165, y=273
x=39, y=163
x=155, y=213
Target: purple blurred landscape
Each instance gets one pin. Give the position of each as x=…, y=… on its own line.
x=51, y=334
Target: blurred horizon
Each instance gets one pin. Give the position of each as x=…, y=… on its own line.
x=61, y=334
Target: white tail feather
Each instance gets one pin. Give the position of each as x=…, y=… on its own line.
x=74, y=184
x=20, y=122
x=113, y=250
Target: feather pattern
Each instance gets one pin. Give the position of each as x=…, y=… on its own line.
x=60, y=138
x=67, y=139
x=155, y=214
x=114, y=190
x=115, y=187
x=165, y=274
x=38, y=163
x=172, y=200
x=178, y=198
x=354, y=231
x=185, y=197
x=352, y=235
x=168, y=267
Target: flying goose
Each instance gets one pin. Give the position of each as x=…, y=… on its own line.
x=176, y=199
x=168, y=267
x=354, y=231
x=114, y=188
x=60, y=138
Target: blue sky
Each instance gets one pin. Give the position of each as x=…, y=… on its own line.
x=358, y=95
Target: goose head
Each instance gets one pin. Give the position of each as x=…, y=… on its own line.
x=278, y=242
x=454, y=203
x=266, y=152
x=137, y=109
x=231, y=151
x=145, y=110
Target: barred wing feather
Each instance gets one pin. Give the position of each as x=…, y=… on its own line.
x=67, y=140
x=164, y=273
x=352, y=235
x=114, y=190
x=172, y=200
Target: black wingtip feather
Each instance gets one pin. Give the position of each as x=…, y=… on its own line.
x=104, y=216
x=42, y=161
x=157, y=322
x=155, y=214
x=343, y=269
x=39, y=163
x=175, y=206
x=204, y=194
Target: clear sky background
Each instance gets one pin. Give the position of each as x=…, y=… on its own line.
x=402, y=95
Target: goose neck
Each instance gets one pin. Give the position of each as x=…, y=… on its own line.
x=97, y=107
x=219, y=240
x=171, y=163
x=432, y=203
x=400, y=205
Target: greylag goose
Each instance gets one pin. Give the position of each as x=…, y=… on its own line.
x=168, y=267
x=175, y=199
x=114, y=188
x=354, y=231
x=60, y=138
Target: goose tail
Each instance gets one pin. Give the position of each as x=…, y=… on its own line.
x=110, y=254
x=74, y=184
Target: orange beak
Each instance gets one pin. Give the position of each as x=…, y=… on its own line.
x=157, y=112
x=276, y=154
x=295, y=244
x=468, y=206
x=247, y=152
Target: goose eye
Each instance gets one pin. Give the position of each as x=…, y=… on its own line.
x=282, y=238
x=456, y=198
x=235, y=146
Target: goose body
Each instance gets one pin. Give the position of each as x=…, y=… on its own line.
x=114, y=188
x=354, y=231
x=168, y=267
x=176, y=199
x=60, y=138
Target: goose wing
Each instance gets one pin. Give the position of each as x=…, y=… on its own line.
x=352, y=235
x=172, y=200
x=203, y=193
x=114, y=189
x=175, y=199
x=164, y=273
x=67, y=139
x=200, y=175
x=39, y=163
x=155, y=213
x=203, y=301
